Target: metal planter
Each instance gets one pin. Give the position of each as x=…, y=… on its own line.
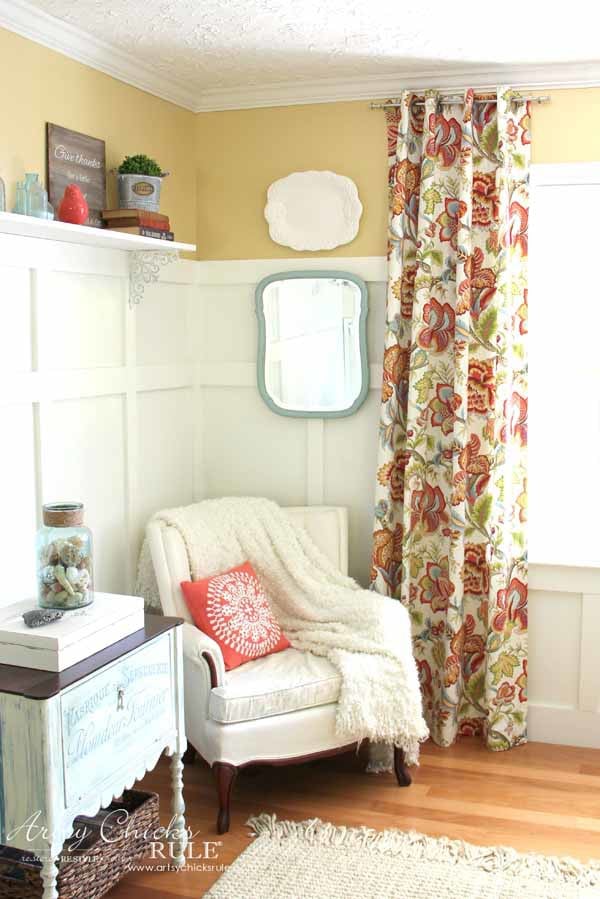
x=139, y=192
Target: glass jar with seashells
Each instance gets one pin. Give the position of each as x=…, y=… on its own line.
x=64, y=553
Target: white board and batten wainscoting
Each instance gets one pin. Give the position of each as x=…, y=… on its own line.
x=134, y=410
x=92, y=395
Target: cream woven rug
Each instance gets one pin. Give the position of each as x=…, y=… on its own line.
x=298, y=860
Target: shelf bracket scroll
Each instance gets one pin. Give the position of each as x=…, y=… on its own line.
x=144, y=268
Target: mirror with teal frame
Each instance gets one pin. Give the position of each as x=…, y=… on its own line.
x=312, y=343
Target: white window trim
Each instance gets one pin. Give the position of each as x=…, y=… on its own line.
x=568, y=577
x=551, y=174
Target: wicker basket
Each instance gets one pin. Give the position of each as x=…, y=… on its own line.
x=92, y=868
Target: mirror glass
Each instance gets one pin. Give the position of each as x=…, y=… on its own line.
x=312, y=346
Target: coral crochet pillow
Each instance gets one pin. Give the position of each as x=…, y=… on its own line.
x=233, y=609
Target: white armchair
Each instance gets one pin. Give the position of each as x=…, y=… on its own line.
x=280, y=709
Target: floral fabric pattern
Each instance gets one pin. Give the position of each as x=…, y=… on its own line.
x=451, y=495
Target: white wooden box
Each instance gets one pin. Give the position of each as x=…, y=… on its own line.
x=79, y=633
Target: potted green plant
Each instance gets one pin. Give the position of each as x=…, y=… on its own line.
x=140, y=180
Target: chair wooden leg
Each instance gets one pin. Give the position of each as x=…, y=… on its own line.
x=225, y=776
x=189, y=756
x=402, y=776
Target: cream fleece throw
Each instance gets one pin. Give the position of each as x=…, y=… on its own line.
x=367, y=637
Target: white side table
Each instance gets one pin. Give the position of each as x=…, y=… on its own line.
x=71, y=742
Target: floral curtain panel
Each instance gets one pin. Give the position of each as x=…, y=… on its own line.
x=451, y=499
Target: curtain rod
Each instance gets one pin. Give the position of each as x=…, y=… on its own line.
x=458, y=98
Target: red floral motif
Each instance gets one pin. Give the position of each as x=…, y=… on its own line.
x=428, y=508
x=493, y=241
x=443, y=408
x=436, y=586
x=469, y=646
x=451, y=670
x=512, y=130
x=515, y=415
x=387, y=546
x=511, y=607
x=405, y=186
x=477, y=289
x=449, y=221
x=522, y=313
x=392, y=474
x=424, y=671
x=408, y=290
x=445, y=141
x=476, y=576
x=468, y=108
x=395, y=369
x=440, y=326
x=485, y=199
x=482, y=611
x=505, y=692
x=521, y=683
x=393, y=121
x=474, y=475
x=404, y=290
x=471, y=727
x=516, y=233
x=483, y=114
x=417, y=117
x=525, y=125
x=481, y=386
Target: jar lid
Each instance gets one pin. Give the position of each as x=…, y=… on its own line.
x=62, y=515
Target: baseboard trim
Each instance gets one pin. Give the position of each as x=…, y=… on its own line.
x=564, y=726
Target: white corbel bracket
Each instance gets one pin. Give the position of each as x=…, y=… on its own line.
x=144, y=268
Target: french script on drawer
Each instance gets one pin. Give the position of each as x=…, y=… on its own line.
x=117, y=727
x=114, y=712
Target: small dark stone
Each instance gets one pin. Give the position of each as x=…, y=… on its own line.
x=40, y=617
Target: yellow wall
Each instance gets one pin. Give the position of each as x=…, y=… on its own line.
x=240, y=153
x=42, y=86
x=223, y=162
x=566, y=129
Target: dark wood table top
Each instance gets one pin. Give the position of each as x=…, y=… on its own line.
x=35, y=684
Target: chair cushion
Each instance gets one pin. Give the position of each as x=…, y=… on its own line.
x=273, y=685
x=232, y=608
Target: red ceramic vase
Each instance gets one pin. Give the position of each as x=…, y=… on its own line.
x=73, y=206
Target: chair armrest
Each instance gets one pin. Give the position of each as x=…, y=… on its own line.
x=198, y=647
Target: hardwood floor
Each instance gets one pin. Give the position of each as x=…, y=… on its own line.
x=536, y=798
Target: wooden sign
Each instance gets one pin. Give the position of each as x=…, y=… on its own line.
x=74, y=158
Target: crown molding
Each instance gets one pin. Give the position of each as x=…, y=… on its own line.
x=326, y=90
x=30, y=22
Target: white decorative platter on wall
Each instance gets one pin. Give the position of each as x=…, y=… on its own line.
x=313, y=210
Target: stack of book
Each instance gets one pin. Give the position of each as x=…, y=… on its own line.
x=139, y=221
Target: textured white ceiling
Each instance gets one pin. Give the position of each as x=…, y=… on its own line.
x=218, y=44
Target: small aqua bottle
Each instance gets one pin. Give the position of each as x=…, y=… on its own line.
x=20, y=206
